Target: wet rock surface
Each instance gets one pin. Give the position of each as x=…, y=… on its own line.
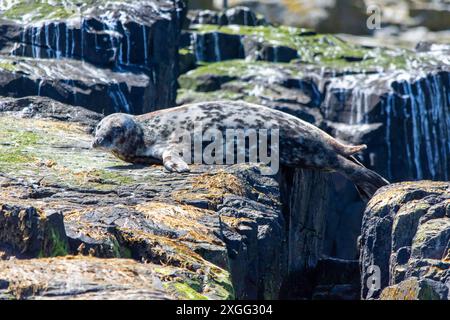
x=216, y=233
x=406, y=234
x=117, y=56
x=234, y=16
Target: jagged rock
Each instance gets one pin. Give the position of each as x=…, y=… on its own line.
x=206, y=17
x=218, y=232
x=406, y=233
x=77, y=83
x=235, y=16
x=31, y=232
x=212, y=43
x=216, y=46
x=413, y=289
x=137, y=41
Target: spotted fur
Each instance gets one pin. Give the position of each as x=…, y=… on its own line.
x=150, y=138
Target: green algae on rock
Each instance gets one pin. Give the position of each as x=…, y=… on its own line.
x=325, y=50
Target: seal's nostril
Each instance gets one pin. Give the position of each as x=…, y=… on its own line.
x=97, y=142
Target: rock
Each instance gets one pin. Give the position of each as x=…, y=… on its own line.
x=31, y=232
x=219, y=232
x=426, y=46
x=219, y=43
x=81, y=278
x=434, y=17
x=337, y=279
x=406, y=234
x=322, y=16
x=350, y=16
x=335, y=292
x=235, y=16
x=77, y=83
x=413, y=289
x=278, y=86
x=242, y=16
x=216, y=46
x=42, y=107
x=102, y=37
x=201, y=4
x=206, y=17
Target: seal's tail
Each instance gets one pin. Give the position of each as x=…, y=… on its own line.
x=367, y=182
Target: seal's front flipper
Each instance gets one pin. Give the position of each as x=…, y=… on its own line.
x=173, y=162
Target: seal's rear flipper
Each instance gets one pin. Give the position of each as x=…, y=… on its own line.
x=367, y=182
x=351, y=150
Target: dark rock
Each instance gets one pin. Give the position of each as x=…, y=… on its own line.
x=138, y=42
x=234, y=16
x=337, y=271
x=42, y=107
x=216, y=46
x=207, y=17
x=337, y=279
x=335, y=292
x=434, y=18
x=32, y=233
x=402, y=244
x=241, y=16
x=257, y=50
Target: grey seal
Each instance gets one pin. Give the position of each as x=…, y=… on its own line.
x=150, y=138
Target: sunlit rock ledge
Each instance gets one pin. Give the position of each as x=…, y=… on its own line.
x=220, y=232
x=406, y=237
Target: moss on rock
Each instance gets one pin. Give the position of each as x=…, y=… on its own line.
x=326, y=50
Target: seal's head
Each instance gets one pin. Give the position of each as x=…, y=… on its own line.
x=121, y=135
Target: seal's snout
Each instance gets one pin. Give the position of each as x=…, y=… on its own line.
x=97, y=143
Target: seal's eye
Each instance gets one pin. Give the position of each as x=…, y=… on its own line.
x=118, y=130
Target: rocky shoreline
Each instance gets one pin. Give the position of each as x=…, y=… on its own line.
x=80, y=224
